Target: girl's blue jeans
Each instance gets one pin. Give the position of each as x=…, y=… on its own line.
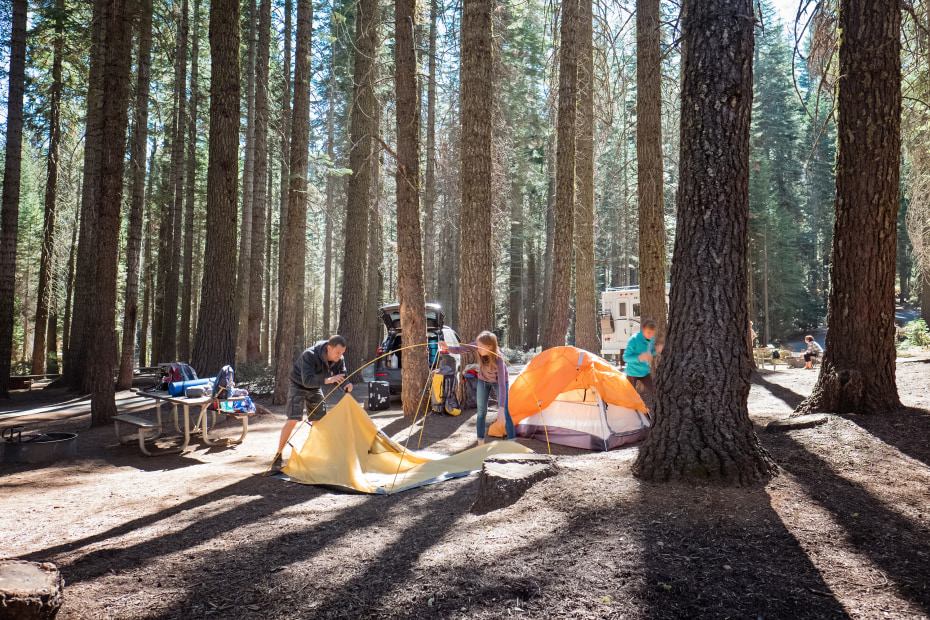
x=484, y=393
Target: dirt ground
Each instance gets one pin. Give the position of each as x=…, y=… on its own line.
x=842, y=532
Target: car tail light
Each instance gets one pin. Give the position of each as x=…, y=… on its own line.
x=382, y=374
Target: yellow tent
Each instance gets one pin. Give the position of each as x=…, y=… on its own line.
x=346, y=449
x=575, y=398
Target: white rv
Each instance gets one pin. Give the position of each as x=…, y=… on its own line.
x=619, y=317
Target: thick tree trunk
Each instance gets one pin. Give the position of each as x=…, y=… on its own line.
x=187, y=290
x=429, y=198
x=409, y=255
x=549, y=217
x=244, y=269
x=330, y=202
x=702, y=427
x=148, y=271
x=260, y=189
x=564, y=213
x=585, y=287
x=9, y=214
x=476, y=288
x=215, y=344
x=268, y=275
x=516, y=302
x=69, y=289
x=85, y=277
x=44, y=294
x=285, y=160
x=137, y=207
x=375, y=247
x=858, y=370
x=102, y=345
x=532, y=304
x=293, y=236
x=173, y=282
x=353, y=315
x=649, y=164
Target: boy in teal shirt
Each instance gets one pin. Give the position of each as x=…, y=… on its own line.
x=639, y=354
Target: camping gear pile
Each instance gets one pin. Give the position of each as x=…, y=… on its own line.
x=225, y=387
x=574, y=398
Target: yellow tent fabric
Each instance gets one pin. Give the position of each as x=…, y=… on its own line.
x=346, y=449
x=556, y=374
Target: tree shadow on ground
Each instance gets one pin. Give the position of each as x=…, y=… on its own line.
x=423, y=525
x=907, y=429
x=894, y=543
x=268, y=496
x=789, y=397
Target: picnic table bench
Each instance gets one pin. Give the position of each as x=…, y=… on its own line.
x=763, y=356
x=179, y=404
x=21, y=382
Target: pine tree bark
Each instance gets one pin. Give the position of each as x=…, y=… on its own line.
x=702, y=427
x=69, y=290
x=85, y=276
x=330, y=200
x=515, y=311
x=650, y=184
x=375, y=246
x=532, y=304
x=409, y=255
x=354, y=312
x=550, y=233
x=476, y=290
x=564, y=212
x=858, y=370
x=148, y=271
x=585, y=288
x=187, y=272
x=292, y=274
x=44, y=294
x=137, y=206
x=173, y=282
x=215, y=344
x=285, y=157
x=268, y=274
x=429, y=198
x=260, y=183
x=9, y=214
x=102, y=323
x=244, y=269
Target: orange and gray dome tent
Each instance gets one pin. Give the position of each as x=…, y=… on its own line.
x=575, y=398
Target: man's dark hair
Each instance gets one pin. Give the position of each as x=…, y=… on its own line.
x=649, y=324
x=337, y=341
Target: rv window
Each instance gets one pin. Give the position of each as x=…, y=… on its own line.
x=635, y=309
x=621, y=310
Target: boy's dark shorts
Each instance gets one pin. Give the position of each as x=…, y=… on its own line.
x=298, y=398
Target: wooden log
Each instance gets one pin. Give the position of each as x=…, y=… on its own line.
x=29, y=590
x=801, y=421
x=505, y=478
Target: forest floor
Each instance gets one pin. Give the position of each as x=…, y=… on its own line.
x=842, y=532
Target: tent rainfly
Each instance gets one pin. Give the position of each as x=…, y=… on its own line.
x=345, y=449
x=575, y=398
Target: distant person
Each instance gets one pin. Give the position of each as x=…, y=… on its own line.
x=814, y=351
x=321, y=366
x=639, y=353
x=492, y=374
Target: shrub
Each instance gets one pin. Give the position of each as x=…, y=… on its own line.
x=916, y=334
x=255, y=377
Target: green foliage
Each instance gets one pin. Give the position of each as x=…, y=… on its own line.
x=916, y=334
x=257, y=378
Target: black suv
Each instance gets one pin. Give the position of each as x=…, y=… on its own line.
x=388, y=368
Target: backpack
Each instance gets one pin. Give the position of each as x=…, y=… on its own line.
x=175, y=372
x=225, y=387
x=442, y=394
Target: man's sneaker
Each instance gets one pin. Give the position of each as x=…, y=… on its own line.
x=278, y=465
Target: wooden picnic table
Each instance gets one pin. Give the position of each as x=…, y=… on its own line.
x=179, y=404
x=21, y=382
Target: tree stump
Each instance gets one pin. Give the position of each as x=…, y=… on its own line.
x=29, y=590
x=505, y=478
x=801, y=421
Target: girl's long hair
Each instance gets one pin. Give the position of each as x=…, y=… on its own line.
x=489, y=340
